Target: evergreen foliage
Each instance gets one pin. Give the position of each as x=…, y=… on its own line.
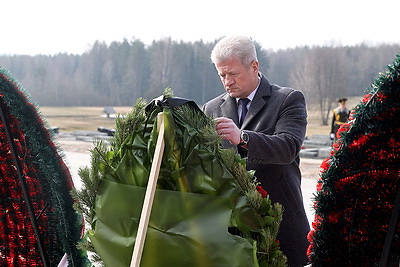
x=359, y=182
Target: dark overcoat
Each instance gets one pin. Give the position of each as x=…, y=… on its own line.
x=276, y=124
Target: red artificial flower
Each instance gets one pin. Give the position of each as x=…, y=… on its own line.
x=362, y=140
x=366, y=98
x=310, y=236
x=343, y=128
x=261, y=191
x=333, y=217
x=393, y=143
x=317, y=222
x=325, y=164
x=319, y=186
x=335, y=147
x=351, y=116
x=380, y=96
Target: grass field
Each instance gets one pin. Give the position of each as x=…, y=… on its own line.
x=70, y=119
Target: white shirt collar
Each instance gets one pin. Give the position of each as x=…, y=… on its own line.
x=252, y=94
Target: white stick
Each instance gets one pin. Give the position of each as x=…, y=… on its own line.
x=149, y=197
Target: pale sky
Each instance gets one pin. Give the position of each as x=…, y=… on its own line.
x=56, y=26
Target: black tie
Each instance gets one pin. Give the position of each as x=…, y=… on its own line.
x=243, y=105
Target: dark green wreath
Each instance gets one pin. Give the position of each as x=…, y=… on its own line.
x=359, y=182
x=198, y=182
x=37, y=221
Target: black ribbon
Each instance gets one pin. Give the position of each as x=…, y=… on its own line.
x=169, y=102
x=163, y=101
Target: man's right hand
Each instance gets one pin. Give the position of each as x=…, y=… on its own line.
x=228, y=130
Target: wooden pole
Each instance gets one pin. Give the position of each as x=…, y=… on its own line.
x=149, y=196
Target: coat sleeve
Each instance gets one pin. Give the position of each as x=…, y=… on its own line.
x=283, y=146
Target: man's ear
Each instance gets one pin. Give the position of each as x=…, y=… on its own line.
x=254, y=66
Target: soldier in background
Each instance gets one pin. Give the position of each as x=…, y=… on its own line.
x=340, y=116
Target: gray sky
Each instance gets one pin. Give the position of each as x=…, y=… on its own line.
x=57, y=26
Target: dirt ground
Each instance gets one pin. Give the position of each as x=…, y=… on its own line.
x=67, y=145
x=310, y=168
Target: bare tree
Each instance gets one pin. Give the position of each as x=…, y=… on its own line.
x=162, y=58
x=322, y=77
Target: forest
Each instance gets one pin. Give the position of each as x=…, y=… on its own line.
x=121, y=72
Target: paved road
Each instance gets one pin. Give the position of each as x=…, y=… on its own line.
x=75, y=161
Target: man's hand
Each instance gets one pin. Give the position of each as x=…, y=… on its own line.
x=228, y=130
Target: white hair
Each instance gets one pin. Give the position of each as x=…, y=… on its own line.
x=238, y=47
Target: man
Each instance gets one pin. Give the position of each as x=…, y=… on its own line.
x=270, y=135
x=339, y=117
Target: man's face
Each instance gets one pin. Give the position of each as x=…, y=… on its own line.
x=239, y=80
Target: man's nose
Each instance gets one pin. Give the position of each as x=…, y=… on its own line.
x=228, y=81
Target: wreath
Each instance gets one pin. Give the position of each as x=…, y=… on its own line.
x=359, y=183
x=207, y=211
